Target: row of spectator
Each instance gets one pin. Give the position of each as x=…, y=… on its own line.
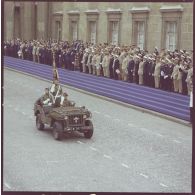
x=167, y=70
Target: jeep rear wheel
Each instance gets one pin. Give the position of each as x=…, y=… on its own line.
x=89, y=133
x=40, y=126
x=57, y=130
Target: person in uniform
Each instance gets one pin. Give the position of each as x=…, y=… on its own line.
x=105, y=64
x=189, y=78
x=175, y=75
x=64, y=100
x=56, y=92
x=111, y=56
x=124, y=67
x=157, y=73
x=89, y=61
x=85, y=59
x=136, y=68
x=141, y=70
x=46, y=99
x=115, y=67
x=130, y=68
x=93, y=62
x=97, y=64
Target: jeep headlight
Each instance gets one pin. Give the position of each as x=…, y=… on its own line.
x=66, y=117
x=84, y=116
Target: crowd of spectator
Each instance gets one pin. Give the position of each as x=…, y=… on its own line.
x=165, y=69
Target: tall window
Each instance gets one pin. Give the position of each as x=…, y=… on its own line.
x=74, y=30
x=17, y=22
x=171, y=35
x=140, y=35
x=58, y=30
x=92, y=29
x=114, y=32
x=35, y=20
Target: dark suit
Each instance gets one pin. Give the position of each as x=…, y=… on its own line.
x=146, y=73
x=111, y=67
x=115, y=67
x=136, y=76
x=130, y=69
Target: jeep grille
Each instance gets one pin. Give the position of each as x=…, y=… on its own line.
x=76, y=120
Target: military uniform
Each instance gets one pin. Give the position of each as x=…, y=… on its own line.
x=97, y=65
x=189, y=80
x=93, y=62
x=56, y=92
x=84, y=61
x=46, y=99
x=105, y=65
x=157, y=75
x=124, y=68
x=174, y=75
x=140, y=72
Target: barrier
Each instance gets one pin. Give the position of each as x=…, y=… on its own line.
x=164, y=102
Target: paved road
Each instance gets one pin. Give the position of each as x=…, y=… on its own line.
x=130, y=151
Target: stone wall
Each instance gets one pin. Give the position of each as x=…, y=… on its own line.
x=48, y=13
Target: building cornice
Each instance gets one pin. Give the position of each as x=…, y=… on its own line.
x=94, y=11
x=167, y=8
x=139, y=10
x=58, y=13
x=113, y=11
x=73, y=12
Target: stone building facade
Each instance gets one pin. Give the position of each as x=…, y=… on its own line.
x=146, y=24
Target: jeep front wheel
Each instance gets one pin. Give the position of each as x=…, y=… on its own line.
x=40, y=126
x=89, y=133
x=57, y=130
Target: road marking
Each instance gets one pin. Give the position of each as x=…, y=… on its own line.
x=131, y=125
x=144, y=175
x=92, y=148
x=163, y=185
x=97, y=112
x=158, y=134
x=164, y=155
x=177, y=141
x=23, y=113
x=124, y=165
x=80, y=142
x=16, y=109
x=144, y=129
x=52, y=161
x=116, y=119
x=7, y=185
x=108, y=116
x=107, y=156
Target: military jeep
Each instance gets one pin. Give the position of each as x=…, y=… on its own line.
x=63, y=119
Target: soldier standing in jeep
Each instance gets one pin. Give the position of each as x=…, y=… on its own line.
x=56, y=92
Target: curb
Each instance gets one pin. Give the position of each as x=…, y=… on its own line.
x=143, y=110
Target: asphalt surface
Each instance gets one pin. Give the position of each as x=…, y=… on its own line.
x=130, y=151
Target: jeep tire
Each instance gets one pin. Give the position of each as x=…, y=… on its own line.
x=57, y=130
x=89, y=133
x=40, y=126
